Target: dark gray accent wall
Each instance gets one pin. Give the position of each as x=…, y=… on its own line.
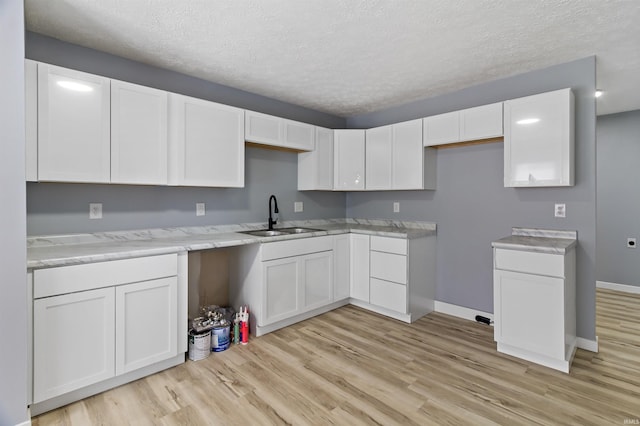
x=63, y=208
x=13, y=259
x=471, y=206
x=618, y=150
x=58, y=208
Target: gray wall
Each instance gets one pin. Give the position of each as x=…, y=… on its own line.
x=63, y=208
x=13, y=301
x=472, y=208
x=618, y=150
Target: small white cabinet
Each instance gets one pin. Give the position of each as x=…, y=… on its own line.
x=315, y=168
x=138, y=134
x=341, y=266
x=206, y=142
x=359, y=278
x=73, y=126
x=442, y=129
x=534, y=306
x=539, y=140
x=477, y=123
x=349, y=159
x=266, y=129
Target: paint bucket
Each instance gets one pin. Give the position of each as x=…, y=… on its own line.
x=199, y=345
x=220, y=338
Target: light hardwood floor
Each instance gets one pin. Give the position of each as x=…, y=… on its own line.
x=353, y=367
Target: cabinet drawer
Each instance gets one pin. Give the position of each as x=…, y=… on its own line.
x=387, y=266
x=530, y=262
x=280, y=249
x=69, y=279
x=388, y=295
x=389, y=245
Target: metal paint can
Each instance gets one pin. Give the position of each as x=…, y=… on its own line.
x=220, y=338
x=199, y=345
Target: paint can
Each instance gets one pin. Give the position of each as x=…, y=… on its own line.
x=199, y=345
x=220, y=338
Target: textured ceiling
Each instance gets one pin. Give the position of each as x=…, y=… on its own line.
x=349, y=57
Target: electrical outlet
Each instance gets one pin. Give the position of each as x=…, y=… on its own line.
x=298, y=207
x=200, y=209
x=396, y=207
x=95, y=210
x=631, y=243
x=560, y=210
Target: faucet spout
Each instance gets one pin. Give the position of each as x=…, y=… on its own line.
x=273, y=221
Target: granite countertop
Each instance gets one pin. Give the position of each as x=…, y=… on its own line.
x=538, y=240
x=73, y=249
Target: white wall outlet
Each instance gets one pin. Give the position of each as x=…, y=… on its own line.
x=560, y=210
x=396, y=207
x=631, y=243
x=298, y=206
x=95, y=210
x=200, y=209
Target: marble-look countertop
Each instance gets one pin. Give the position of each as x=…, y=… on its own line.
x=538, y=240
x=73, y=249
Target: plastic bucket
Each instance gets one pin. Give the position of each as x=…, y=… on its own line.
x=199, y=345
x=220, y=338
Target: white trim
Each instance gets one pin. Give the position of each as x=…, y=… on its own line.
x=618, y=287
x=27, y=423
x=460, y=311
x=587, y=345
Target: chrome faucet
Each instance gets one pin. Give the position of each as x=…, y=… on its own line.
x=271, y=220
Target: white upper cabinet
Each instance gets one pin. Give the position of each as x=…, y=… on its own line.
x=73, y=126
x=31, y=119
x=315, y=168
x=275, y=131
x=349, y=159
x=396, y=159
x=539, y=140
x=138, y=134
x=206, y=142
x=482, y=122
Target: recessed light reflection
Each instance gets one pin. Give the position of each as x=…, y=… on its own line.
x=77, y=87
x=528, y=121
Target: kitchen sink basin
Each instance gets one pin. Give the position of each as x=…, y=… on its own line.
x=281, y=231
x=297, y=230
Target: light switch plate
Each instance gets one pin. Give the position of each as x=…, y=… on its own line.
x=95, y=210
x=200, y=209
x=396, y=207
x=560, y=210
x=298, y=206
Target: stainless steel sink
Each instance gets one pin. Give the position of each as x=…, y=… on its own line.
x=265, y=233
x=297, y=230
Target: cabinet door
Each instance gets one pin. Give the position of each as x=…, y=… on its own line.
x=263, y=128
x=539, y=140
x=481, y=122
x=31, y=119
x=138, y=134
x=441, y=129
x=349, y=159
x=206, y=143
x=146, y=323
x=298, y=135
x=281, y=292
x=408, y=155
x=378, y=151
x=342, y=266
x=317, y=279
x=73, y=126
x=529, y=312
x=360, y=267
x=73, y=342
x=315, y=168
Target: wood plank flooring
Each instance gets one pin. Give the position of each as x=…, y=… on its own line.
x=352, y=367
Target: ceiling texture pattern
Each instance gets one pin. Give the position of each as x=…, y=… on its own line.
x=350, y=57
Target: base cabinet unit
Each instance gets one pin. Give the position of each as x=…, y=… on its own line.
x=283, y=282
x=341, y=266
x=539, y=140
x=315, y=168
x=95, y=324
x=534, y=306
x=359, y=274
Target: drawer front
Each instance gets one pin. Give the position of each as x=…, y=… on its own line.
x=68, y=279
x=288, y=248
x=389, y=267
x=389, y=245
x=388, y=295
x=530, y=262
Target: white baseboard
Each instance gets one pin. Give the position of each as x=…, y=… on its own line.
x=618, y=287
x=460, y=311
x=587, y=345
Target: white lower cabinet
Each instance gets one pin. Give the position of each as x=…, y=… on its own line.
x=341, y=266
x=359, y=267
x=98, y=321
